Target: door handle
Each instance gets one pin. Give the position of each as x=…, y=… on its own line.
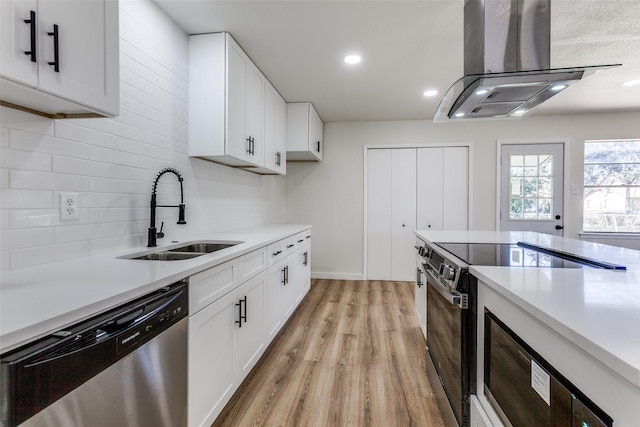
x=32, y=30
x=56, y=50
x=559, y=227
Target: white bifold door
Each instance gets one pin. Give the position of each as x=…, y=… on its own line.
x=409, y=189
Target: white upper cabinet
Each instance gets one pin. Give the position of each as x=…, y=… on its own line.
x=60, y=58
x=304, y=132
x=233, y=116
x=275, y=128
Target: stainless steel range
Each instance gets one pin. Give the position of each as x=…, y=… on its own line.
x=452, y=308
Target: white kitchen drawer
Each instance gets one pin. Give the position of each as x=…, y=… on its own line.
x=209, y=285
x=276, y=252
x=252, y=263
x=290, y=245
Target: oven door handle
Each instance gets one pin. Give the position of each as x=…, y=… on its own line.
x=452, y=298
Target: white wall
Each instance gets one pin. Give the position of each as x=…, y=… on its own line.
x=111, y=163
x=329, y=195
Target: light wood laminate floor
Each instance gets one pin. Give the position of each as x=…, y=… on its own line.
x=351, y=355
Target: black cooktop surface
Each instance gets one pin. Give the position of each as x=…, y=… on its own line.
x=508, y=255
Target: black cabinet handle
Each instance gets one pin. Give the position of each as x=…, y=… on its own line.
x=307, y=237
x=278, y=159
x=241, y=316
x=253, y=146
x=301, y=240
x=290, y=246
x=277, y=253
x=559, y=227
x=249, y=145
x=306, y=258
x=318, y=146
x=286, y=273
x=283, y=279
x=56, y=50
x=32, y=24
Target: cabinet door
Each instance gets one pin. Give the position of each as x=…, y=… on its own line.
x=302, y=269
x=236, y=141
x=274, y=300
x=379, y=214
x=281, y=134
x=249, y=342
x=430, y=175
x=316, y=133
x=455, y=203
x=15, y=40
x=87, y=51
x=254, y=112
x=211, y=379
x=403, y=213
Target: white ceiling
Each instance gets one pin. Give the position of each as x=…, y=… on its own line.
x=407, y=48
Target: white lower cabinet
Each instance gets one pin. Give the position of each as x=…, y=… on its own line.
x=236, y=309
x=421, y=293
x=211, y=375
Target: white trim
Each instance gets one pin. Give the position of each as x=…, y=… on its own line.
x=609, y=235
x=565, y=150
x=367, y=147
x=337, y=276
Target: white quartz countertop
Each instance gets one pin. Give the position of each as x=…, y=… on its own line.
x=40, y=300
x=597, y=310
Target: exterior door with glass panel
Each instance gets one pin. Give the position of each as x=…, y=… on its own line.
x=532, y=181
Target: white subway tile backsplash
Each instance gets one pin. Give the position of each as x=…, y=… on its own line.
x=109, y=185
x=29, y=218
x=103, y=215
x=4, y=178
x=30, y=141
x=4, y=135
x=73, y=131
x=107, y=155
x=26, y=238
x=4, y=219
x=47, y=181
x=21, y=159
x=29, y=257
x=70, y=165
x=16, y=119
x=25, y=199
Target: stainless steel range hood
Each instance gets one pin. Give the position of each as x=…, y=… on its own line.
x=506, y=62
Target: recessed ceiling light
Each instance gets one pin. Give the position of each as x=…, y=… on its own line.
x=459, y=114
x=632, y=82
x=352, y=59
x=519, y=112
x=482, y=91
x=430, y=92
x=558, y=88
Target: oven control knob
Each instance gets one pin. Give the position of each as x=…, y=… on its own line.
x=447, y=272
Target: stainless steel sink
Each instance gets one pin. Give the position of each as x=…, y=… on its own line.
x=203, y=247
x=186, y=250
x=169, y=256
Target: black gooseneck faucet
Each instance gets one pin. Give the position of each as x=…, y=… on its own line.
x=152, y=235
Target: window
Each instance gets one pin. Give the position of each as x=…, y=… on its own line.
x=531, y=185
x=612, y=186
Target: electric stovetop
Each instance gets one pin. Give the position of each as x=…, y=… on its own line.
x=508, y=255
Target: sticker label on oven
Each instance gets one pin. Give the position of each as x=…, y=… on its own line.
x=540, y=382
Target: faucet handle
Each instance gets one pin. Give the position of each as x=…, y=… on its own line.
x=160, y=234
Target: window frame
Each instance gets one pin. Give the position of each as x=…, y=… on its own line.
x=627, y=187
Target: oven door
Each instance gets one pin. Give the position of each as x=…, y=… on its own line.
x=446, y=336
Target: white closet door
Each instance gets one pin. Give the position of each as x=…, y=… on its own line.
x=379, y=214
x=455, y=203
x=403, y=213
x=430, y=188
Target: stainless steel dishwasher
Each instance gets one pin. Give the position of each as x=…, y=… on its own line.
x=123, y=367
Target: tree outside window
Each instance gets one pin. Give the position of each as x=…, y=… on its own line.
x=612, y=186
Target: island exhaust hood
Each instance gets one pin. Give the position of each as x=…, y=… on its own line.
x=506, y=62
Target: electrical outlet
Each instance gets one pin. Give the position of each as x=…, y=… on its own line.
x=68, y=206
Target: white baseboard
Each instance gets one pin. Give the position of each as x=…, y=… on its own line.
x=336, y=276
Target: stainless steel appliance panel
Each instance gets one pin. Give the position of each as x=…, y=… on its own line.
x=146, y=388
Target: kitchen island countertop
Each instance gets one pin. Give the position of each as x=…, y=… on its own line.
x=597, y=310
x=36, y=301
